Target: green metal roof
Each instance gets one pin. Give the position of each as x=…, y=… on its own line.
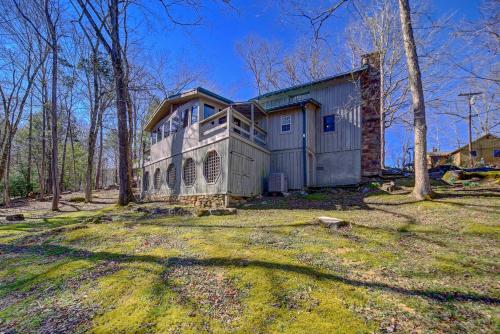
x=203, y=91
x=311, y=83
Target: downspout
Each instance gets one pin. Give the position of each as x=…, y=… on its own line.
x=304, y=154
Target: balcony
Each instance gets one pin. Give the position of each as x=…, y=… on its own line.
x=246, y=120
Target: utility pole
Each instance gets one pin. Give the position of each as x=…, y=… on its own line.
x=470, y=99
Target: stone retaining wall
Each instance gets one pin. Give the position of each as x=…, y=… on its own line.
x=201, y=201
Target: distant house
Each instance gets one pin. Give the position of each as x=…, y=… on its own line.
x=208, y=150
x=437, y=158
x=485, y=148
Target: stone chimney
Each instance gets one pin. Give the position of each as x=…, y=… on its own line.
x=370, y=115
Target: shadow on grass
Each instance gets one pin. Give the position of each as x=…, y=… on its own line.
x=218, y=226
x=436, y=295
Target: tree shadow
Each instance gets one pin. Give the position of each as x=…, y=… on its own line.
x=431, y=294
x=220, y=226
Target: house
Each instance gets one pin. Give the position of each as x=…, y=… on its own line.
x=437, y=158
x=208, y=150
x=485, y=148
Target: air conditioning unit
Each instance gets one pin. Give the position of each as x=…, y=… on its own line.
x=278, y=183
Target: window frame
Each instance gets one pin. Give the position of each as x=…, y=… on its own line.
x=205, y=105
x=171, y=166
x=282, y=123
x=166, y=125
x=185, y=118
x=193, y=119
x=184, y=165
x=206, y=168
x=324, y=123
x=157, y=179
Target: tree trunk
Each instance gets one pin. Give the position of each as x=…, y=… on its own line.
x=73, y=177
x=125, y=192
x=30, y=149
x=63, y=163
x=41, y=175
x=6, y=190
x=422, y=188
x=99, y=159
x=95, y=106
x=55, y=158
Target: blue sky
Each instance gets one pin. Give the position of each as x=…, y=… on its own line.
x=211, y=46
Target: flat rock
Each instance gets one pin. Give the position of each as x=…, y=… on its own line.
x=330, y=222
x=216, y=212
x=15, y=218
x=223, y=211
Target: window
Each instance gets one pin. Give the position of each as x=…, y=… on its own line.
x=211, y=166
x=145, y=181
x=286, y=123
x=329, y=123
x=473, y=153
x=189, y=172
x=496, y=153
x=156, y=180
x=194, y=115
x=185, y=118
x=222, y=120
x=208, y=111
x=153, y=137
x=175, y=123
x=171, y=176
x=166, y=129
x=158, y=134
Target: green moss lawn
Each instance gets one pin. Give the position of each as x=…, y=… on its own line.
x=402, y=267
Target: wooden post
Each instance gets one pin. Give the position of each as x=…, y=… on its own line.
x=252, y=123
x=229, y=121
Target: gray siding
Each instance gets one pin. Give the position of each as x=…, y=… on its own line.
x=200, y=186
x=289, y=162
x=248, y=166
x=338, y=168
x=337, y=154
x=284, y=141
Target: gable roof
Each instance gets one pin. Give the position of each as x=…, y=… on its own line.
x=294, y=104
x=478, y=139
x=162, y=109
x=312, y=83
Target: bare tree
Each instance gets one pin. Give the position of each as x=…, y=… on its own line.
x=262, y=60
x=22, y=63
x=105, y=23
x=50, y=11
x=422, y=189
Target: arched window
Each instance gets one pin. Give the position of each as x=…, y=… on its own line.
x=156, y=179
x=171, y=176
x=211, y=166
x=145, y=181
x=189, y=172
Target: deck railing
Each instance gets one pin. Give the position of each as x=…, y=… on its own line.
x=239, y=125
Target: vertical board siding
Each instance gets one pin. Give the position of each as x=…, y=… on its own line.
x=291, y=164
x=284, y=141
x=249, y=167
x=338, y=153
x=200, y=185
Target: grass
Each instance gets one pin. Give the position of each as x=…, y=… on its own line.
x=403, y=266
